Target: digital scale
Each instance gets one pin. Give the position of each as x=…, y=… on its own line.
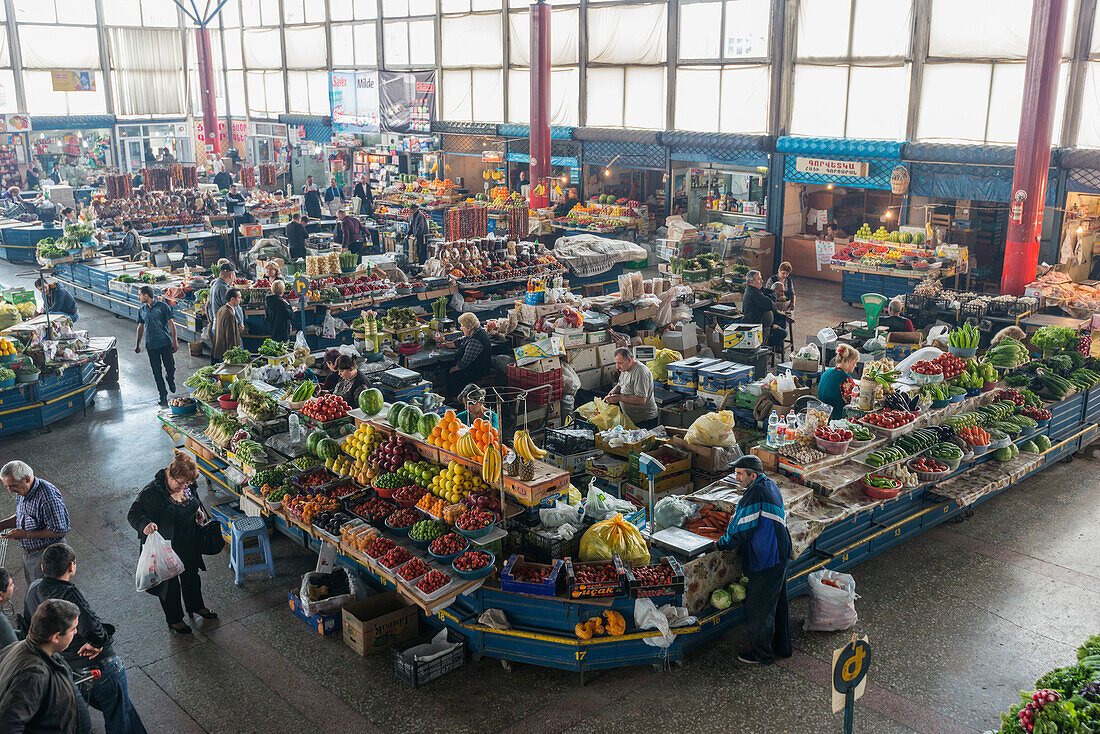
x=399, y=377
x=645, y=353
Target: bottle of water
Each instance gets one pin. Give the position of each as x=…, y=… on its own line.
x=295, y=428
x=773, y=429
x=781, y=431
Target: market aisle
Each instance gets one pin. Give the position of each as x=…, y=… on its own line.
x=961, y=617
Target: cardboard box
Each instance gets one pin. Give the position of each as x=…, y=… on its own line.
x=706, y=458
x=786, y=398
x=529, y=314
x=590, y=379
x=571, y=337
x=545, y=364
x=678, y=229
x=619, y=316
x=584, y=358
x=742, y=336
x=769, y=459
x=904, y=337
x=648, y=312
x=609, y=375
x=607, y=354
x=805, y=365
x=372, y=625
x=681, y=339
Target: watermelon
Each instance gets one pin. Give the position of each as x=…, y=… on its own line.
x=428, y=421
x=409, y=420
x=370, y=401
x=1042, y=442
x=395, y=412
x=328, y=449
x=314, y=439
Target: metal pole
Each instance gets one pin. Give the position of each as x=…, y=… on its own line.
x=540, y=101
x=849, y=709
x=206, y=91
x=1029, y=178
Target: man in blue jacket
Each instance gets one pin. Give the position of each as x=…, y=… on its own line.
x=759, y=529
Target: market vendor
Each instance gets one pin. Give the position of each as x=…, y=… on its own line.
x=830, y=388
x=296, y=236
x=312, y=196
x=758, y=529
x=331, y=358
x=566, y=205
x=755, y=304
x=351, y=381
x=472, y=398
x=56, y=300
x=783, y=275
x=474, y=352
x=634, y=391
x=234, y=200
x=834, y=232
x=418, y=231
x=894, y=321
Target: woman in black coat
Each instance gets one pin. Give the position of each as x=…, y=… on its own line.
x=277, y=312
x=170, y=505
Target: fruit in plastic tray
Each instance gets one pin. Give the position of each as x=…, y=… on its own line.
x=529, y=574
x=379, y=547
x=653, y=575
x=413, y=569
x=596, y=573
x=472, y=560
x=475, y=520
x=447, y=544
x=833, y=435
x=395, y=557
x=433, y=581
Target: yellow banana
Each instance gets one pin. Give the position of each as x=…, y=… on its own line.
x=466, y=447
x=536, y=452
x=519, y=444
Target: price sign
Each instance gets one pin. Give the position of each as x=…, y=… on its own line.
x=825, y=251
x=251, y=230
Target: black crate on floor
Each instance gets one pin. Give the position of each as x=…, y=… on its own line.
x=571, y=440
x=419, y=673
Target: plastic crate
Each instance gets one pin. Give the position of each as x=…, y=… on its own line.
x=638, y=590
x=545, y=550
x=547, y=587
x=568, y=441
x=527, y=379
x=582, y=590
x=417, y=673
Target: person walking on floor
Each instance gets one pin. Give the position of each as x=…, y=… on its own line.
x=296, y=236
x=40, y=520
x=217, y=297
x=334, y=197
x=349, y=232
x=91, y=646
x=156, y=325
x=365, y=196
x=418, y=231
x=759, y=529
x=36, y=685
x=170, y=505
x=227, y=326
x=312, y=197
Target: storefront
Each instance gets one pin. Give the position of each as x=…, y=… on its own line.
x=144, y=144
x=81, y=147
x=475, y=157
x=1079, y=234
x=625, y=165
x=833, y=180
x=14, y=155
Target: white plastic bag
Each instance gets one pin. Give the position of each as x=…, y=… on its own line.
x=600, y=506
x=560, y=514
x=570, y=383
x=158, y=563
x=438, y=647
x=328, y=326
x=671, y=511
x=648, y=616
x=332, y=603
x=831, y=609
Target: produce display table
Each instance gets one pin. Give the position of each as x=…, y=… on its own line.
x=35, y=405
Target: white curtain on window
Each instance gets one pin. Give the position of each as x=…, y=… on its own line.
x=60, y=47
x=269, y=12
x=746, y=92
x=882, y=28
x=5, y=57
x=644, y=98
x=696, y=102
x=308, y=91
x=747, y=29
x=306, y=47
x=395, y=8
x=701, y=31
x=1089, y=134
x=471, y=40
x=265, y=93
x=953, y=103
x=995, y=29
x=564, y=96
x=366, y=45
x=159, y=13
x=234, y=93
x=147, y=66
x=878, y=102
x=422, y=43
x=234, y=56
x=42, y=100
x=457, y=96
x=627, y=34
x=122, y=12
x=488, y=87
x=7, y=92
x=818, y=105
x=823, y=27
x=1006, y=103
x=263, y=48
x=605, y=97
x=564, y=31
x=343, y=46
x=395, y=43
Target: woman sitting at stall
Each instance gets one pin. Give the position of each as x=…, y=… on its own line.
x=332, y=356
x=830, y=388
x=783, y=275
x=351, y=381
x=895, y=321
x=472, y=398
x=474, y=352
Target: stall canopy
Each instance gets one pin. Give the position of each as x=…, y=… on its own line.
x=977, y=172
x=316, y=128
x=638, y=149
x=71, y=122
x=745, y=151
x=865, y=164
x=1083, y=166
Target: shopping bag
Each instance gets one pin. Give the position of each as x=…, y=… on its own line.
x=616, y=535
x=832, y=608
x=158, y=563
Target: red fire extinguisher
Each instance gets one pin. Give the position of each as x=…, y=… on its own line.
x=1016, y=210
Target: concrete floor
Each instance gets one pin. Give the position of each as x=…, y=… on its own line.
x=960, y=618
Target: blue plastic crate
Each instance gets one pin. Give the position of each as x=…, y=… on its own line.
x=17, y=420
x=547, y=587
x=683, y=375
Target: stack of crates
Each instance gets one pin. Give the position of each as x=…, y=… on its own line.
x=723, y=377
x=683, y=376
x=527, y=379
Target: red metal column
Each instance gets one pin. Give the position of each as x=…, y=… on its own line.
x=206, y=84
x=1029, y=179
x=540, y=103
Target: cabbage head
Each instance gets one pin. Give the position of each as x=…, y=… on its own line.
x=720, y=599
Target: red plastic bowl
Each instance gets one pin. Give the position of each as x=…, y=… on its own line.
x=880, y=494
x=226, y=404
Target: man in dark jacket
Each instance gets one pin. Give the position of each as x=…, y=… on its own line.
x=418, y=230
x=759, y=529
x=36, y=686
x=91, y=646
x=365, y=196
x=223, y=180
x=349, y=232
x=755, y=304
x=296, y=236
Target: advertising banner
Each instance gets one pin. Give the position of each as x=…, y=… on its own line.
x=353, y=96
x=406, y=101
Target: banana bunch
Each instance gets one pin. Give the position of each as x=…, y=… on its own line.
x=466, y=447
x=526, y=448
x=491, y=465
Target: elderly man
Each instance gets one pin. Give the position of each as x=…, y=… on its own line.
x=634, y=391
x=755, y=304
x=40, y=518
x=894, y=321
x=56, y=300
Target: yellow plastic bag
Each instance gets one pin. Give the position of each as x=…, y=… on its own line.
x=604, y=416
x=575, y=497
x=713, y=429
x=614, y=536
x=658, y=367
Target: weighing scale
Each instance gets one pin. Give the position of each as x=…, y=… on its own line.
x=399, y=377
x=652, y=468
x=682, y=542
x=645, y=353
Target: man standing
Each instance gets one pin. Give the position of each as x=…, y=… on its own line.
x=418, y=231
x=759, y=529
x=32, y=178
x=156, y=324
x=40, y=518
x=350, y=232
x=131, y=245
x=334, y=197
x=219, y=294
x=7, y=591
x=296, y=236
x=634, y=391
x=92, y=644
x=227, y=327
x=56, y=300
x=36, y=686
x=365, y=197
x=223, y=179
x=756, y=306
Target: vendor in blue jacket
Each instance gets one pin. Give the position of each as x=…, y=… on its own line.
x=759, y=529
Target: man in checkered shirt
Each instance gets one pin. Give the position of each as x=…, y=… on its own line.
x=40, y=518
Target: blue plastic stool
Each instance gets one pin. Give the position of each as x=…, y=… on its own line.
x=249, y=527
